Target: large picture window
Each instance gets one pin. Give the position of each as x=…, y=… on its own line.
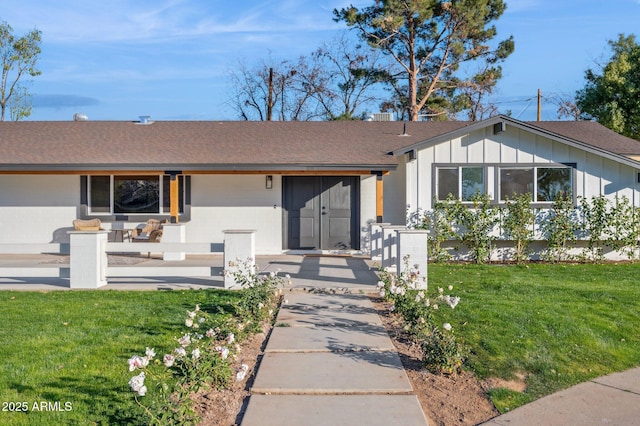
x=543, y=183
x=515, y=182
x=128, y=194
x=460, y=182
x=553, y=181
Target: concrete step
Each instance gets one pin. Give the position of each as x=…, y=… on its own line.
x=333, y=410
x=311, y=309
x=329, y=339
x=331, y=373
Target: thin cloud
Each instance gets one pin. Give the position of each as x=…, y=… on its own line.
x=62, y=101
x=152, y=22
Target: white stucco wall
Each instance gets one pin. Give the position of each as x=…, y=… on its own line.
x=38, y=208
x=41, y=208
x=367, y=208
x=222, y=202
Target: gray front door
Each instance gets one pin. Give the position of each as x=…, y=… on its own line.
x=321, y=212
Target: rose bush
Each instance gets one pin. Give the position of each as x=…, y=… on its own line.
x=407, y=294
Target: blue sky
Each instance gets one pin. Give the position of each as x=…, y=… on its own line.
x=170, y=59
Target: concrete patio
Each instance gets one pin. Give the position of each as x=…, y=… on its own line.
x=50, y=272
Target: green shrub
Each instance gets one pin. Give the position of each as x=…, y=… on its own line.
x=409, y=297
x=441, y=352
x=201, y=358
x=439, y=224
x=259, y=291
x=595, y=223
x=560, y=227
x=476, y=225
x=517, y=223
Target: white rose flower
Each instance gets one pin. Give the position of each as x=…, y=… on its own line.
x=168, y=360
x=150, y=353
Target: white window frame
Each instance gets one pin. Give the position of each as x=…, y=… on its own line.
x=459, y=168
x=535, y=168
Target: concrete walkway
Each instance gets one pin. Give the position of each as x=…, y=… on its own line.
x=608, y=400
x=330, y=361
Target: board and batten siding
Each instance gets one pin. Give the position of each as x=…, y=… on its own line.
x=595, y=175
x=395, y=192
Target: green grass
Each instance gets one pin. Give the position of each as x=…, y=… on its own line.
x=73, y=346
x=558, y=325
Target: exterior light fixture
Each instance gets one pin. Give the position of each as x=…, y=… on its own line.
x=269, y=182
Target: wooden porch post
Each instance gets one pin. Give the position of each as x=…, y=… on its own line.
x=174, y=196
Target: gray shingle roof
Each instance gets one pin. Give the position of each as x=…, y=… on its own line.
x=594, y=134
x=193, y=145
x=241, y=145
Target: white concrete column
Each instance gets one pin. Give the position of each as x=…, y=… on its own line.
x=88, y=259
x=412, y=243
x=239, y=245
x=173, y=233
x=389, y=246
x=375, y=240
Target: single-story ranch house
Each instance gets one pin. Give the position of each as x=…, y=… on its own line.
x=300, y=185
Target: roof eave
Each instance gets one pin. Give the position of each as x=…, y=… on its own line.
x=199, y=168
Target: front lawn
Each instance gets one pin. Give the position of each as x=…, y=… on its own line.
x=63, y=354
x=555, y=324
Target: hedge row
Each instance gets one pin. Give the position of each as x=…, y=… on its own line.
x=601, y=223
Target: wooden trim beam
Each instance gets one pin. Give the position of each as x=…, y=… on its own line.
x=174, y=195
x=191, y=172
x=281, y=172
x=174, y=209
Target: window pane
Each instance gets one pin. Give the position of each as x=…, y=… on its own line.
x=166, y=194
x=136, y=194
x=99, y=194
x=447, y=183
x=553, y=182
x=514, y=182
x=472, y=182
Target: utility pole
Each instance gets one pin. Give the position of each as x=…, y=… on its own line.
x=270, y=97
x=539, y=103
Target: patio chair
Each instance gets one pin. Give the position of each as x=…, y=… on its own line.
x=150, y=233
x=87, y=225
x=147, y=233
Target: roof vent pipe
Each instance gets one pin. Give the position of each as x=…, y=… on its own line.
x=78, y=116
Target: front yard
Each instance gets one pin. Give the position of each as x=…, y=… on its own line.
x=64, y=353
x=550, y=326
